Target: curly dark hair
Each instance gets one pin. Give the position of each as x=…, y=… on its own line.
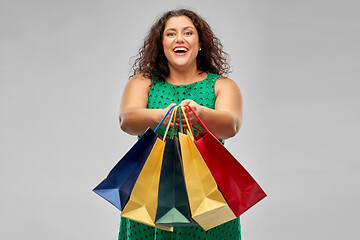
x=151, y=59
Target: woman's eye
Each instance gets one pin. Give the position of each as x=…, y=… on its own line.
x=170, y=34
x=188, y=33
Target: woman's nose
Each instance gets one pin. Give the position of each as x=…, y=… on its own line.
x=179, y=38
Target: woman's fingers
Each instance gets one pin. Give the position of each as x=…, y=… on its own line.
x=192, y=119
x=189, y=114
x=165, y=122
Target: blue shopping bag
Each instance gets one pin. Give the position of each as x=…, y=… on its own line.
x=117, y=186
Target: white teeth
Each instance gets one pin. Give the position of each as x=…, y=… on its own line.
x=180, y=49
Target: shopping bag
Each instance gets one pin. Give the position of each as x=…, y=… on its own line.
x=208, y=207
x=173, y=206
x=143, y=201
x=117, y=186
x=239, y=188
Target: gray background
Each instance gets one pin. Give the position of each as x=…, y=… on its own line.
x=65, y=63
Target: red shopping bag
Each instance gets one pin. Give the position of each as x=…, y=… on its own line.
x=239, y=188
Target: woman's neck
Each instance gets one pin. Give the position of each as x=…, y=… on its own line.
x=184, y=76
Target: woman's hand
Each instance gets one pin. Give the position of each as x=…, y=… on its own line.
x=196, y=107
x=164, y=111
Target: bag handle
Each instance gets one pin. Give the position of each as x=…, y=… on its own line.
x=187, y=119
x=174, y=109
x=200, y=122
x=188, y=123
x=164, y=117
x=180, y=121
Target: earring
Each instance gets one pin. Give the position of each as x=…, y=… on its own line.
x=200, y=49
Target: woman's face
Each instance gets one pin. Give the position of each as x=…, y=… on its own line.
x=180, y=42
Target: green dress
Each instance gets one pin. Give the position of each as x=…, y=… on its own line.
x=161, y=95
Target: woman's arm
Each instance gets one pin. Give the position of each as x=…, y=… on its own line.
x=225, y=120
x=134, y=116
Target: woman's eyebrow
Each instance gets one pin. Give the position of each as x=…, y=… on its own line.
x=174, y=29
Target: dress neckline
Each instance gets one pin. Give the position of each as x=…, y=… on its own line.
x=179, y=85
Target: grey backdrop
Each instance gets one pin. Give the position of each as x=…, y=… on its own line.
x=65, y=63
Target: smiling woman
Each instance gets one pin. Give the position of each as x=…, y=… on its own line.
x=181, y=43
x=151, y=55
x=181, y=62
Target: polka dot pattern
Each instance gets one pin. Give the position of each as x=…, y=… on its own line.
x=162, y=94
x=131, y=230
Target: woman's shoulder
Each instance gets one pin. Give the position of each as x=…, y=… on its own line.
x=225, y=81
x=138, y=82
x=140, y=78
x=219, y=79
x=225, y=84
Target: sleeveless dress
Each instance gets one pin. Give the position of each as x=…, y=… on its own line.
x=161, y=95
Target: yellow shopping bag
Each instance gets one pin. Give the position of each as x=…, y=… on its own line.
x=207, y=205
x=143, y=201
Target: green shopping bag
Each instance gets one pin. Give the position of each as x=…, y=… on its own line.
x=173, y=205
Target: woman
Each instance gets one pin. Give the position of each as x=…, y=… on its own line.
x=181, y=62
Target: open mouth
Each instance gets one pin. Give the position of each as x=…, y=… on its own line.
x=180, y=50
